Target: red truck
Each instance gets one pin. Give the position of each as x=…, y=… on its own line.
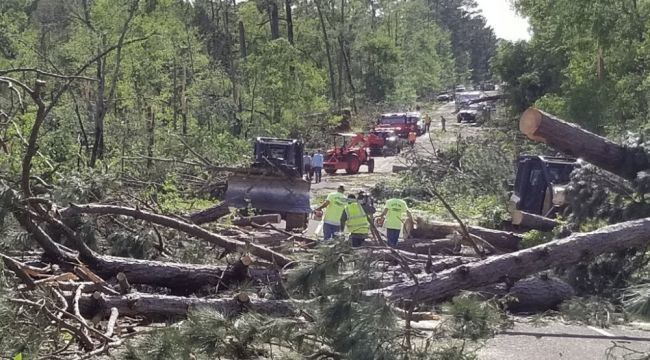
x=401, y=123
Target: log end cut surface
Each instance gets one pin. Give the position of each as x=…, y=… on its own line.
x=530, y=121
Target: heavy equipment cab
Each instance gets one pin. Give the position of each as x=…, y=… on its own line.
x=284, y=155
x=540, y=184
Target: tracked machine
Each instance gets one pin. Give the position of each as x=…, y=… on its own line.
x=274, y=182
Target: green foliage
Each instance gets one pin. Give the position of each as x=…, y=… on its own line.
x=473, y=319
x=535, y=237
x=636, y=301
x=592, y=311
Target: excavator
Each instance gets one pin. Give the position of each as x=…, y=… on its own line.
x=274, y=182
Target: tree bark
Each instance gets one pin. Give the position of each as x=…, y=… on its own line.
x=429, y=229
x=532, y=295
x=575, y=141
x=258, y=220
x=209, y=215
x=151, y=130
x=520, y=264
x=289, y=14
x=274, y=20
x=330, y=66
x=427, y=246
x=243, y=52
x=191, y=229
x=140, y=304
x=533, y=221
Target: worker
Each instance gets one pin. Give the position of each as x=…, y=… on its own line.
x=391, y=219
x=442, y=122
x=355, y=219
x=334, y=206
x=306, y=162
x=427, y=122
x=412, y=137
x=317, y=165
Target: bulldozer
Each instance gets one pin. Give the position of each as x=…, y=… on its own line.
x=540, y=184
x=274, y=182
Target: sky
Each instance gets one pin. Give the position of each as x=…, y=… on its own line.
x=507, y=24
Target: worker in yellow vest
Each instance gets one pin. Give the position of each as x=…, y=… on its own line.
x=334, y=206
x=356, y=220
x=391, y=218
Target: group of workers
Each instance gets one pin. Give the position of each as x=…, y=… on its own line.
x=313, y=166
x=354, y=213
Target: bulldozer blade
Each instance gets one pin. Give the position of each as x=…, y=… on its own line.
x=269, y=193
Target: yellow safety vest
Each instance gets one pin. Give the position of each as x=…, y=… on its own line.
x=396, y=209
x=335, y=208
x=357, y=221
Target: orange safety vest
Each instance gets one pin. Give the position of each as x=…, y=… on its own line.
x=412, y=136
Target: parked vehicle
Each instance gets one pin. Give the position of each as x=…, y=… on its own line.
x=444, y=97
x=385, y=143
x=401, y=123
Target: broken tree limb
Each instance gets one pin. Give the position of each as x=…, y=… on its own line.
x=209, y=215
x=574, y=141
x=191, y=229
x=520, y=264
x=424, y=246
x=431, y=229
x=258, y=220
x=139, y=304
x=533, y=221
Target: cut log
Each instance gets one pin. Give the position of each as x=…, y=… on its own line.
x=575, y=141
x=533, y=221
x=258, y=220
x=191, y=229
x=209, y=215
x=532, y=295
x=520, y=264
x=139, y=304
x=400, y=168
x=427, y=246
x=431, y=229
x=181, y=278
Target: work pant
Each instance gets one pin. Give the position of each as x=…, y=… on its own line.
x=428, y=127
x=329, y=230
x=317, y=173
x=392, y=236
x=308, y=172
x=358, y=239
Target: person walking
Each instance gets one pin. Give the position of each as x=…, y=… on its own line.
x=306, y=162
x=442, y=122
x=317, y=165
x=427, y=122
x=391, y=219
x=355, y=218
x=412, y=137
x=334, y=207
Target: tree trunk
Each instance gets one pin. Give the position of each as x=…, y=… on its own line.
x=191, y=229
x=274, y=20
x=243, y=52
x=533, y=221
x=330, y=66
x=427, y=246
x=509, y=267
x=531, y=295
x=151, y=130
x=288, y=11
x=140, y=304
x=429, y=229
x=209, y=215
x=575, y=141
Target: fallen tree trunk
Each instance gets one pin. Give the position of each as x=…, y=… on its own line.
x=191, y=229
x=531, y=295
x=570, y=250
x=139, y=304
x=575, y=141
x=430, y=229
x=533, y=221
x=427, y=246
x=209, y=215
x=258, y=220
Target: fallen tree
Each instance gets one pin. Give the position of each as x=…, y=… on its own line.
x=533, y=294
x=520, y=264
x=430, y=229
x=574, y=141
x=533, y=221
x=191, y=229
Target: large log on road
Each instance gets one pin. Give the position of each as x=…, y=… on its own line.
x=533, y=221
x=139, y=304
x=533, y=294
x=575, y=141
x=520, y=264
x=430, y=229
